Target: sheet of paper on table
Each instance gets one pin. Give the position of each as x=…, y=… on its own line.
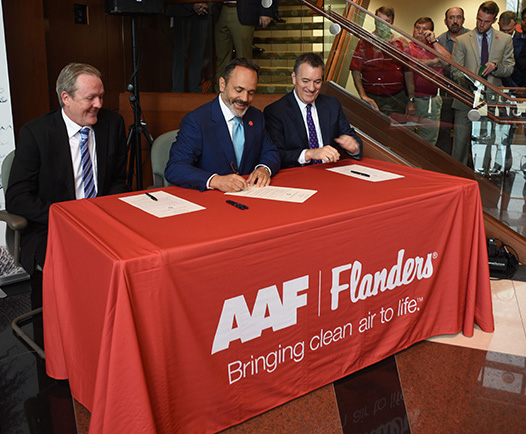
x=365, y=173
x=284, y=194
x=166, y=205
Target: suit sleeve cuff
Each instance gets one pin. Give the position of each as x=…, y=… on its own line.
x=208, y=182
x=301, y=158
x=265, y=166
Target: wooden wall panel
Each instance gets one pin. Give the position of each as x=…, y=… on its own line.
x=26, y=58
x=99, y=43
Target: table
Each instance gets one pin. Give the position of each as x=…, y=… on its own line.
x=200, y=321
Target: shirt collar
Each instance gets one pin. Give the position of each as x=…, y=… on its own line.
x=227, y=113
x=489, y=33
x=71, y=127
x=301, y=104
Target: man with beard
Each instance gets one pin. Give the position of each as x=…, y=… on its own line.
x=225, y=138
x=454, y=22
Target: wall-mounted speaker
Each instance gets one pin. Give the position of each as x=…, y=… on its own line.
x=126, y=7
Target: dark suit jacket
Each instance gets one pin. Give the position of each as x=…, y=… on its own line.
x=204, y=147
x=287, y=128
x=518, y=77
x=42, y=173
x=249, y=11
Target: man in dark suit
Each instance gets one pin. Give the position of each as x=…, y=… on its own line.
x=225, y=138
x=235, y=29
x=307, y=126
x=54, y=163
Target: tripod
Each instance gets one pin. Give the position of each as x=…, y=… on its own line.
x=139, y=126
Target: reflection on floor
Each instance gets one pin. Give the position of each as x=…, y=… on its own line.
x=449, y=384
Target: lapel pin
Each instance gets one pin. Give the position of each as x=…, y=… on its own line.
x=251, y=123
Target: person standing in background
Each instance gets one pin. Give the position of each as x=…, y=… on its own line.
x=454, y=22
x=235, y=29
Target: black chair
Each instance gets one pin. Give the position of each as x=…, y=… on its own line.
x=15, y=224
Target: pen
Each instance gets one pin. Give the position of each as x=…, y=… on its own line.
x=233, y=168
x=237, y=205
x=360, y=173
x=151, y=196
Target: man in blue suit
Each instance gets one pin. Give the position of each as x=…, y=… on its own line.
x=308, y=127
x=225, y=138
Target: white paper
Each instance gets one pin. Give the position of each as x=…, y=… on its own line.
x=361, y=172
x=166, y=205
x=284, y=194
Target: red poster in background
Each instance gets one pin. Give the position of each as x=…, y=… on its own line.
x=198, y=322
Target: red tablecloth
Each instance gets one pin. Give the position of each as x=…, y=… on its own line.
x=196, y=322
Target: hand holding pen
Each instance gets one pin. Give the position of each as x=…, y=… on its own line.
x=229, y=183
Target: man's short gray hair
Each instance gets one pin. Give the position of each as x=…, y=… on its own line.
x=67, y=79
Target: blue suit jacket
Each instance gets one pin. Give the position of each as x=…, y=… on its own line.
x=204, y=147
x=287, y=128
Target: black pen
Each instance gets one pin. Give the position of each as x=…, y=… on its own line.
x=237, y=205
x=151, y=196
x=360, y=173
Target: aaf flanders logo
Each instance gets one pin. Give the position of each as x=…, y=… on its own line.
x=271, y=311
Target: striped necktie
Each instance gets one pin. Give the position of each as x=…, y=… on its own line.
x=87, y=168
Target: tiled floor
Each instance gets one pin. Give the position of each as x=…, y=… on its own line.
x=449, y=384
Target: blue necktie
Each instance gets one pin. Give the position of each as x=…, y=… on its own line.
x=238, y=139
x=87, y=169
x=313, y=137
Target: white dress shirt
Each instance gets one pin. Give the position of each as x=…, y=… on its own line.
x=314, y=113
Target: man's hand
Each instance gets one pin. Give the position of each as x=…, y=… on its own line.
x=348, y=143
x=371, y=101
x=411, y=109
x=259, y=177
x=490, y=67
x=201, y=8
x=264, y=21
x=228, y=183
x=325, y=153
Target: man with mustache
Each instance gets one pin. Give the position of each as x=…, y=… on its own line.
x=454, y=22
x=225, y=138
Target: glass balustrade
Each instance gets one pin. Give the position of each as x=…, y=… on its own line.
x=459, y=111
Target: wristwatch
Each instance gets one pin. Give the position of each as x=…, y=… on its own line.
x=412, y=99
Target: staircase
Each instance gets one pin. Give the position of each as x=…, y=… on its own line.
x=283, y=42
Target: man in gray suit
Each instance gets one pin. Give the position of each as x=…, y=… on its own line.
x=488, y=53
